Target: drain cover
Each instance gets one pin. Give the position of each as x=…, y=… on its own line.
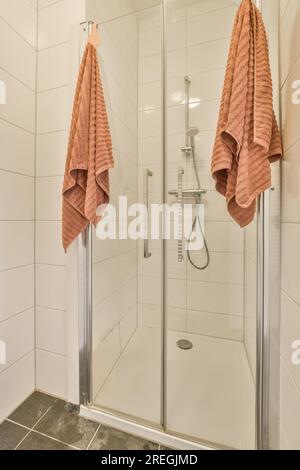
x=185, y=344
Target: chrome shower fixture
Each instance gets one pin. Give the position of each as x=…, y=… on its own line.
x=190, y=150
x=191, y=133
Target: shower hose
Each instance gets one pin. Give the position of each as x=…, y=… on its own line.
x=197, y=219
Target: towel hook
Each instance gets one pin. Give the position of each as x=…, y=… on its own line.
x=94, y=37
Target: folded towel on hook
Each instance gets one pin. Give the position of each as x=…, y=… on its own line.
x=248, y=139
x=90, y=156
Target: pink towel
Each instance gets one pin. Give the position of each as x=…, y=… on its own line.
x=248, y=137
x=86, y=182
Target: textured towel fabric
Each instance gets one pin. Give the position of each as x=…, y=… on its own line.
x=86, y=182
x=248, y=137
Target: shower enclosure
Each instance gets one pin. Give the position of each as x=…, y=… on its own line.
x=175, y=341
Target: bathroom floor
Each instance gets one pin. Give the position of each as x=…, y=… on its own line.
x=46, y=423
x=213, y=378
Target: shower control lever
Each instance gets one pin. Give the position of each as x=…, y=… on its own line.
x=187, y=149
x=188, y=192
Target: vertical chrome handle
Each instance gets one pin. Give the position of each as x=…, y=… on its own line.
x=148, y=174
x=180, y=203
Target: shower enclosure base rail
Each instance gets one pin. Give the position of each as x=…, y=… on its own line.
x=142, y=431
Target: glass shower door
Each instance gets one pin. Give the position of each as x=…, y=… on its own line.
x=211, y=334
x=174, y=324
x=126, y=305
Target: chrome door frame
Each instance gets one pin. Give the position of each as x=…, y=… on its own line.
x=263, y=323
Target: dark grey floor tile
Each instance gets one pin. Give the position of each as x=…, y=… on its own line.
x=35, y=441
x=32, y=409
x=11, y=435
x=112, y=439
x=64, y=423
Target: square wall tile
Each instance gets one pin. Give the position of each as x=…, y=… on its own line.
x=16, y=384
x=291, y=185
x=25, y=22
x=49, y=249
x=177, y=293
x=213, y=56
x=16, y=196
x=51, y=330
x=51, y=287
x=149, y=42
x=150, y=69
x=106, y=317
x=147, y=296
x=105, y=279
x=289, y=38
x=205, y=6
x=219, y=326
x=51, y=153
x=16, y=348
x=200, y=27
x=53, y=67
x=57, y=21
x=128, y=297
x=16, y=244
x=18, y=146
x=50, y=117
x=51, y=374
x=289, y=408
x=177, y=319
x=21, y=65
x=127, y=327
x=291, y=260
x=149, y=315
x=20, y=103
x=105, y=355
x=49, y=198
x=290, y=334
x=17, y=288
x=215, y=298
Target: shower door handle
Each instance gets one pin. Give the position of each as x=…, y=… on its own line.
x=148, y=174
x=180, y=203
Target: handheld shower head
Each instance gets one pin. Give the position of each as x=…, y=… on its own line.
x=192, y=132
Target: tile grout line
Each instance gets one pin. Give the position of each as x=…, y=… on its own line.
x=25, y=437
x=56, y=440
x=17, y=33
x=30, y=429
x=48, y=437
x=28, y=87
x=21, y=358
x=17, y=126
x=34, y=430
x=39, y=420
x=94, y=436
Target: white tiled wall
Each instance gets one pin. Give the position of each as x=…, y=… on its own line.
x=18, y=31
x=290, y=326
x=58, y=24
x=200, y=51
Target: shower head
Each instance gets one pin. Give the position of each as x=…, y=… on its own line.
x=192, y=131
